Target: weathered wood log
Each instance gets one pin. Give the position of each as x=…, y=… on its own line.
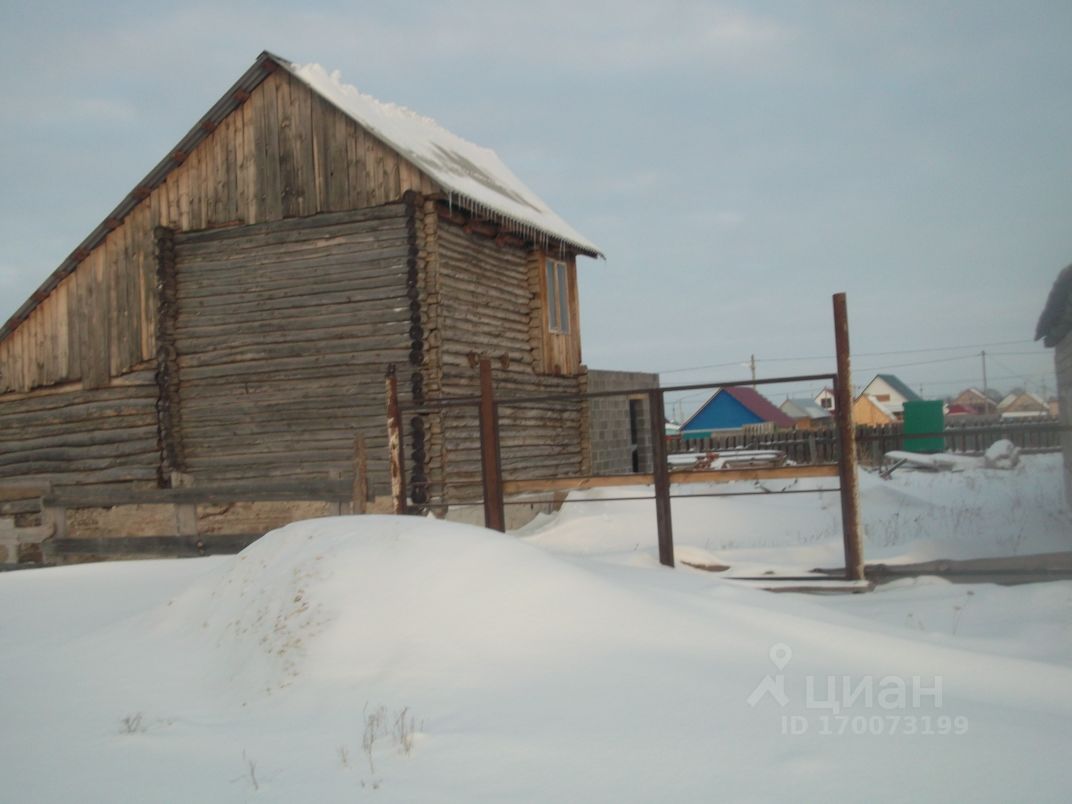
x=79, y=476
x=294, y=318
x=306, y=328
x=259, y=274
x=379, y=358
x=129, y=445
x=263, y=310
x=88, y=412
x=244, y=246
x=324, y=221
x=165, y=546
x=355, y=345
x=47, y=402
x=80, y=438
x=310, y=284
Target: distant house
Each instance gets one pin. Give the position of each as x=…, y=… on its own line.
x=868, y=409
x=733, y=409
x=826, y=399
x=807, y=413
x=975, y=401
x=891, y=392
x=1055, y=330
x=1023, y=404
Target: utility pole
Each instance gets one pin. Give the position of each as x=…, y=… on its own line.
x=986, y=404
x=752, y=363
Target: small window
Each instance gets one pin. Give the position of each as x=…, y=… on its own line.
x=826, y=402
x=558, y=308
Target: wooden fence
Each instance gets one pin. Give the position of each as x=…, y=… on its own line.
x=820, y=446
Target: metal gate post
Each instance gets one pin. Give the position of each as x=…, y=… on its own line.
x=490, y=461
x=848, y=480
x=661, y=476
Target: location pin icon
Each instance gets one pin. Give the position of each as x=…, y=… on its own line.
x=781, y=654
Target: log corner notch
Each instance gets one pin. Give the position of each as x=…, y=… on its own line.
x=418, y=481
x=168, y=415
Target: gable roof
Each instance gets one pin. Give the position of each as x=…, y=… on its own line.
x=1022, y=398
x=751, y=400
x=1056, y=319
x=897, y=385
x=990, y=396
x=473, y=177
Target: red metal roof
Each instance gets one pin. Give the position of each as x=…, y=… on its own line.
x=760, y=405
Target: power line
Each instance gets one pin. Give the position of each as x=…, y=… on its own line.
x=865, y=354
x=919, y=363
x=904, y=351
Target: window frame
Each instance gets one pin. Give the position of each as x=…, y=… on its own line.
x=558, y=295
x=554, y=321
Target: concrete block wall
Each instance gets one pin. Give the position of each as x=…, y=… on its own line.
x=608, y=423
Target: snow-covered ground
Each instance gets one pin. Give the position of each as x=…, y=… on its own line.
x=404, y=659
x=914, y=516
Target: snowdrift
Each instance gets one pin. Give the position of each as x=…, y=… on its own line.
x=405, y=659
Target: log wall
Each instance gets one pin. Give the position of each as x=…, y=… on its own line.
x=70, y=436
x=282, y=333
x=479, y=303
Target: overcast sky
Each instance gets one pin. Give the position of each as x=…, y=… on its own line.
x=738, y=163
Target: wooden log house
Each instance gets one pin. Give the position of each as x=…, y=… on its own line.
x=222, y=336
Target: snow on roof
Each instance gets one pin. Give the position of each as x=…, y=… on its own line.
x=804, y=407
x=474, y=173
x=889, y=408
x=1022, y=396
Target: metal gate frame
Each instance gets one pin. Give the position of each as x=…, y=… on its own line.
x=495, y=488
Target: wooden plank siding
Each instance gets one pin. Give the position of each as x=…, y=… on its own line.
x=257, y=166
x=283, y=333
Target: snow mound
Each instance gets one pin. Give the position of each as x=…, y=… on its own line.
x=1002, y=454
x=353, y=598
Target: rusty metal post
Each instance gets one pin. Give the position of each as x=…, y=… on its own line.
x=661, y=476
x=490, y=461
x=849, y=482
x=360, y=489
x=394, y=443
